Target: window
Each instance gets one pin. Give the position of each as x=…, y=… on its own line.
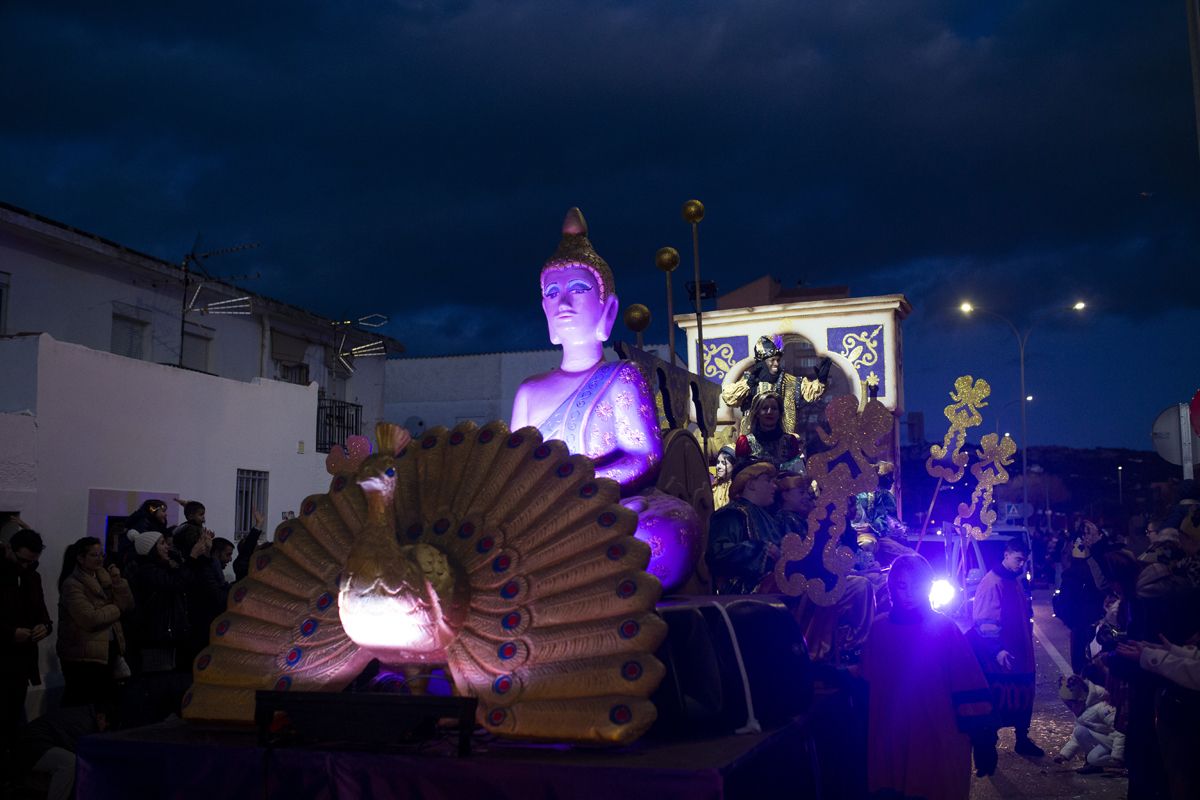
x=129, y=336
x=196, y=341
x=294, y=373
x=251, y=497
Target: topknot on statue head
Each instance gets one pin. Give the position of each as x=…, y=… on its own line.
x=575, y=250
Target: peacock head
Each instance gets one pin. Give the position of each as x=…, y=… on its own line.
x=377, y=476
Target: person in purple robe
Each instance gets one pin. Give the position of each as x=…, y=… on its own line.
x=929, y=705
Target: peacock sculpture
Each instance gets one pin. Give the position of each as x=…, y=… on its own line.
x=495, y=554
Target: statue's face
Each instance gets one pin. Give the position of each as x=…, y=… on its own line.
x=575, y=314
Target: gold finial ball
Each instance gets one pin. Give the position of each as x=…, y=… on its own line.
x=667, y=259
x=637, y=318
x=693, y=211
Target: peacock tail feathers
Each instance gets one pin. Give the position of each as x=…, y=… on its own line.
x=515, y=567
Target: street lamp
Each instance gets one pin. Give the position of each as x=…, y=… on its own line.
x=968, y=308
x=1120, y=487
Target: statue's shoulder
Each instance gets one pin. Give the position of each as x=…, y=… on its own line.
x=537, y=380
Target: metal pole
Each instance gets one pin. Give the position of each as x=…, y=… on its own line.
x=1185, y=442
x=183, y=310
x=699, y=308
x=1024, y=436
x=1120, y=488
x=670, y=321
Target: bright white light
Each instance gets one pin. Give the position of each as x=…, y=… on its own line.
x=1080, y=306
x=1028, y=398
x=966, y=308
x=941, y=593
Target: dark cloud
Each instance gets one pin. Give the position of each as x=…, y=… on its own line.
x=425, y=152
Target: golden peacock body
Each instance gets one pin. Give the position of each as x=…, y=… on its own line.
x=492, y=552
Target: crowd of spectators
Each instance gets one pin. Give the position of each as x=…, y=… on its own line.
x=1134, y=619
x=130, y=622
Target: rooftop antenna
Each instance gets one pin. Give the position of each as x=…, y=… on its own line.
x=193, y=262
x=345, y=354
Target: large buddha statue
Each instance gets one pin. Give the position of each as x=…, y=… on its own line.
x=604, y=409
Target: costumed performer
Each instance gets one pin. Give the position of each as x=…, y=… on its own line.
x=722, y=475
x=743, y=537
x=604, y=409
x=877, y=521
x=929, y=703
x=1003, y=640
x=767, y=375
x=767, y=440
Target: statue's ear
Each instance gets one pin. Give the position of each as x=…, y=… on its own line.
x=607, y=318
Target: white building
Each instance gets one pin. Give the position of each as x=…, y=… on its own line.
x=96, y=413
x=446, y=390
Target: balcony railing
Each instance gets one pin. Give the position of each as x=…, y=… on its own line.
x=336, y=420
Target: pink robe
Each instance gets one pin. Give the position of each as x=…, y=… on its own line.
x=1003, y=614
x=925, y=689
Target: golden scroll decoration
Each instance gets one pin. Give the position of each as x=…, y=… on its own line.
x=854, y=438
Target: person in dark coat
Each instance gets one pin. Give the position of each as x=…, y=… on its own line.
x=24, y=621
x=1080, y=604
x=207, y=591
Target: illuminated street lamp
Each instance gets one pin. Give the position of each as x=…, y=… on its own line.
x=968, y=308
x=1120, y=487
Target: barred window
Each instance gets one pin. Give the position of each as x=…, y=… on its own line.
x=251, y=496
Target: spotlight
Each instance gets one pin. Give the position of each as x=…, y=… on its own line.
x=941, y=594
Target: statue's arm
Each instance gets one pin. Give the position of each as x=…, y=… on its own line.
x=635, y=458
x=520, y=409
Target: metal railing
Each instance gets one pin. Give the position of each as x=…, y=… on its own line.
x=336, y=420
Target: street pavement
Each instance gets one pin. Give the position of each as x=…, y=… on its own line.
x=1020, y=777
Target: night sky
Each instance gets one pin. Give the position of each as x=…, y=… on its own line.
x=416, y=159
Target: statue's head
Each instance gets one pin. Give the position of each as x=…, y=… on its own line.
x=579, y=295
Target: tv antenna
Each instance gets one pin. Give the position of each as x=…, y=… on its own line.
x=345, y=354
x=193, y=262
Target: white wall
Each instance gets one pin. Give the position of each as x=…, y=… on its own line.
x=102, y=421
x=448, y=389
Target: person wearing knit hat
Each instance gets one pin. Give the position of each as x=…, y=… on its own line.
x=144, y=541
x=743, y=537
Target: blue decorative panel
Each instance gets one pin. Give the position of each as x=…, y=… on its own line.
x=721, y=354
x=862, y=346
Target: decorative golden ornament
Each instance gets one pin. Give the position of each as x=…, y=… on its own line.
x=946, y=462
x=637, y=317
x=856, y=437
x=666, y=259
x=994, y=455
x=693, y=211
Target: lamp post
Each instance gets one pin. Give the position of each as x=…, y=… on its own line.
x=1120, y=487
x=1022, y=339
